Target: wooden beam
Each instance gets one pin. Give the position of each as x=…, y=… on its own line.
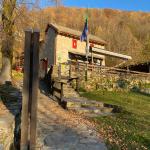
x=109, y=53
x=62, y=92
x=59, y=71
x=30, y=90
x=70, y=70
x=86, y=71
x=77, y=85
x=26, y=94
x=35, y=84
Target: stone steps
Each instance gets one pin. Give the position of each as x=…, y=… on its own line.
x=86, y=107
x=93, y=115
x=89, y=108
x=69, y=91
x=82, y=102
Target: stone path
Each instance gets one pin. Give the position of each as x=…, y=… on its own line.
x=58, y=129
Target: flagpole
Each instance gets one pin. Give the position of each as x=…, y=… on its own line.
x=87, y=39
x=87, y=47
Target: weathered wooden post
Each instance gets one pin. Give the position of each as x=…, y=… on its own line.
x=99, y=69
x=70, y=70
x=59, y=71
x=26, y=95
x=30, y=90
x=62, y=92
x=92, y=61
x=34, y=86
x=78, y=77
x=77, y=84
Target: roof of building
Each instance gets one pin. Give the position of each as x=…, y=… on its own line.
x=74, y=33
x=132, y=63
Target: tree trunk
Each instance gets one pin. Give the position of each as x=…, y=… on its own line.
x=7, y=55
x=7, y=39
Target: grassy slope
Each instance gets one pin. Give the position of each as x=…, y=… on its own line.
x=147, y=86
x=129, y=129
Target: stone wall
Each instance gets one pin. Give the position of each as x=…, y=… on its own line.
x=115, y=82
x=145, y=91
x=64, y=46
x=7, y=125
x=10, y=111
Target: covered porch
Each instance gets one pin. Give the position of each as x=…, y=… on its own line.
x=92, y=58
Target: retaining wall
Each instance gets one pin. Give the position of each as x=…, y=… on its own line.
x=7, y=125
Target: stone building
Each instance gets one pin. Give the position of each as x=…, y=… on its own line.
x=63, y=44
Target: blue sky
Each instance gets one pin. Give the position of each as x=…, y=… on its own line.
x=136, y=5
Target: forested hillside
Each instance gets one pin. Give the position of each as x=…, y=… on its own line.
x=125, y=32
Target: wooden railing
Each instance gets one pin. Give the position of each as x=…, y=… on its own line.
x=73, y=70
x=63, y=76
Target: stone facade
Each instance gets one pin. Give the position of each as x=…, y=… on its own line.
x=64, y=46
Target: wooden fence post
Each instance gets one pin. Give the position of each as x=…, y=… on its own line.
x=62, y=93
x=78, y=77
x=25, y=102
x=78, y=69
x=34, y=94
x=86, y=71
x=30, y=90
x=77, y=84
x=59, y=72
x=99, y=69
x=70, y=70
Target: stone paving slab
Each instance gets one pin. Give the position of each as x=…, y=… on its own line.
x=1, y=147
x=7, y=124
x=59, y=130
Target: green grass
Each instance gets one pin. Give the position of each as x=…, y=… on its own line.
x=17, y=75
x=129, y=129
x=147, y=85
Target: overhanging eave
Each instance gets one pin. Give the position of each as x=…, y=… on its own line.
x=112, y=54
